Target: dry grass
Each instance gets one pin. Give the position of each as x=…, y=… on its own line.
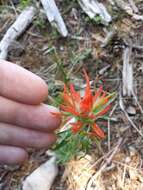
x=123, y=173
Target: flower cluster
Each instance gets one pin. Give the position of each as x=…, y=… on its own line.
x=86, y=109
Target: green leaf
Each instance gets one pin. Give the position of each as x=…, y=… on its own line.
x=69, y=145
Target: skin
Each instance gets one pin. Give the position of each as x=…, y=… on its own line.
x=25, y=121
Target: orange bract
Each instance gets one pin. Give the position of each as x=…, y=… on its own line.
x=86, y=109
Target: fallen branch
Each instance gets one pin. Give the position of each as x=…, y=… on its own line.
x=128, y=75
x=54, y=16
x=93, y=8
x=15, y=30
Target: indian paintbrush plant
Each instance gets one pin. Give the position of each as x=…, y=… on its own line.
x=80, y=115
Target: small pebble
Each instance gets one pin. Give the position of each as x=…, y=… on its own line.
x=61, y=48
x=132, y=150
x=128, y=160
x=131, y=110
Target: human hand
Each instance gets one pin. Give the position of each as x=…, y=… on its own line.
x=24, y=120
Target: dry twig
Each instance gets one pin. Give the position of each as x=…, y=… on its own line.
x=108, y=38
x=107, y=161
x=109, y=134
x=128, y=117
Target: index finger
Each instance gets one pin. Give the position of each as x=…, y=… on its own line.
x=21, y=85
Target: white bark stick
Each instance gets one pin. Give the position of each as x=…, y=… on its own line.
x=54, y=16
x=93, y=8
x=15, y=30
x=127, y=73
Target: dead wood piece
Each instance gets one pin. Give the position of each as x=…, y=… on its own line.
x=133, y=5
x=15, y=30
x=54, y=16
x=138, y=17
x=130, y=9
x=93, y=8
x=127, y=73
x=124, y=6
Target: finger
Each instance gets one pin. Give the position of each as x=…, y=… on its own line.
x=12, y=155
x=38, y=117
x=21, y=85
x=16, y=136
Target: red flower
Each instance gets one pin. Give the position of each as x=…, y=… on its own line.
x=86, y=109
